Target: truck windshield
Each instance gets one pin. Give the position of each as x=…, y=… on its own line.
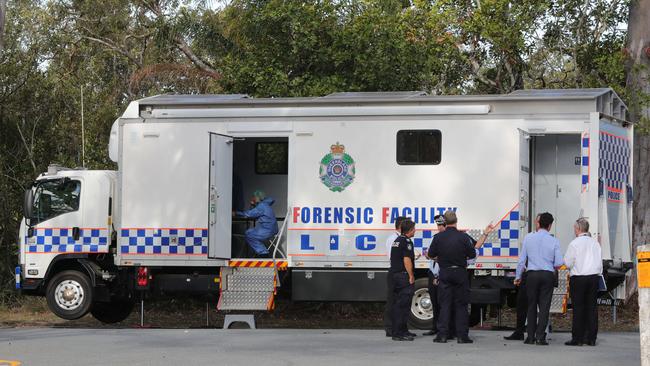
x=55, y=197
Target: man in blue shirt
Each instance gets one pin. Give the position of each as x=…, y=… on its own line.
x=541, y=256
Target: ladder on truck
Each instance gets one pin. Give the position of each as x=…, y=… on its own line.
x=251, y=284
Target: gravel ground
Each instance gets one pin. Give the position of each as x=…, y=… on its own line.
x=49, y=346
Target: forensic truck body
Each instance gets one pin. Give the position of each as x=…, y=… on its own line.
x=340, y=168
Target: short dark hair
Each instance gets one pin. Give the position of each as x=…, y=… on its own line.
x=406, y=226
x=545, y=220
x=398, y=222
x=439, y=220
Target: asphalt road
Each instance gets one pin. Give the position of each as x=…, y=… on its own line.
x=48, y=346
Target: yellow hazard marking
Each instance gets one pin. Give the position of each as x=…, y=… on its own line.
x=10, y=363
x=643, y=269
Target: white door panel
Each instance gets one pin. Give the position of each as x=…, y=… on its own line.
x=556, y=182
x=220, y=196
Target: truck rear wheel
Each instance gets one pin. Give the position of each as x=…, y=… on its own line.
x=112, y=312
x=69, y=295
x=421, y=315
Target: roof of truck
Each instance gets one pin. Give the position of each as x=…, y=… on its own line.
x=608, y=102
x=528, y=94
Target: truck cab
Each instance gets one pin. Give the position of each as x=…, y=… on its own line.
x=66, y=231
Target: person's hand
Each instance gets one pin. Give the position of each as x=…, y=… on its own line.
x=435, y=282
x=417, y=256
x=517, y=282
x=490, y=228
x=411, y=279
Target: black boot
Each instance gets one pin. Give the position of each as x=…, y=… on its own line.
x=440, y=339
x=516, y=336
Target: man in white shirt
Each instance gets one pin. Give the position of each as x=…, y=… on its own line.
x=584, y=259
x=388, y=326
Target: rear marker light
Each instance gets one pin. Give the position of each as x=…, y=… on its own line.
x=143, y=277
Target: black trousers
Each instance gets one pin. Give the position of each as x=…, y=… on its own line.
x=584, y=292
x=433, y=295
x=522, y=306
x=388, y=314
x=453, y=296
x=402, y=296
x=540, y=293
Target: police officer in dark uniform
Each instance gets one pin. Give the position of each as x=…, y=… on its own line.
x=452, y=249
x=402, y=260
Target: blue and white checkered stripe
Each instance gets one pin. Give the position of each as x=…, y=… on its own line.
x=60, y=240
x=164, y=241
x=614, y=166
x=507, y=244
x=422, y=239
x=584, y=165
x=508, y=238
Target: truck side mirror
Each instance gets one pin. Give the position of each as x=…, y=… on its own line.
x=28, y=205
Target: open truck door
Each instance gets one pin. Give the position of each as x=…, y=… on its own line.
x=524, y=183
x=220, y=196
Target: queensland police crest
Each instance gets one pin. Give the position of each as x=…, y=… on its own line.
x=337, y=169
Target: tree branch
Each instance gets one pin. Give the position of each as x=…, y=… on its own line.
x=183, y=47
x=113, y=47
x=30, y=152
x=476, y=66
x=155, y=8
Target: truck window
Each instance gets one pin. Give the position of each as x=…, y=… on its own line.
x=419, y=147
x=55, y=197
x=271, y=157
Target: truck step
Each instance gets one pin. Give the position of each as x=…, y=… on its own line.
x=253, y=271
x=247, y=288
x=558, y=304
x=251, y=300
x=561, y=293
x=249, y=282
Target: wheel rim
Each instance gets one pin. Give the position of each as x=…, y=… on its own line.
x=421, y=306
x=69, y=295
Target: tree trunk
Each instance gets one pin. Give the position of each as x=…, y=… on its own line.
x=638, y=86
x=3, y=12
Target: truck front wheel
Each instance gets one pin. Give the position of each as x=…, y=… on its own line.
x=421, y=315
x=112, y=312
x=69, y=295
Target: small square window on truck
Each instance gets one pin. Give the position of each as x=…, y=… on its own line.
x=419, y=147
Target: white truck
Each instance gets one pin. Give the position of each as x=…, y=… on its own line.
x=341, y=168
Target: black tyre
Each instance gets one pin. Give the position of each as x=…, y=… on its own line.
x=421, y=314
x=112, y=312
x=69, y=294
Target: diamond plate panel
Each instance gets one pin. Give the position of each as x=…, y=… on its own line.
x=250, y=283
x=558, y=304
x=239, y=300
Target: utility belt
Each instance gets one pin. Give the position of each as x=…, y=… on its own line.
x=398, y=272
x=454, y=268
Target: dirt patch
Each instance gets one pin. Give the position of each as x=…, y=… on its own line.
x=192, y=313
